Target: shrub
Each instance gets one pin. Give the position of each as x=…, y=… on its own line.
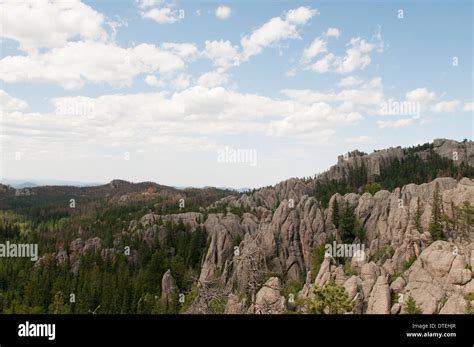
x=410, y=306
x=382, y=254
x=409, y=262
x=371, y=188
x=330, y=299
x=348, y=270
x=318, y=258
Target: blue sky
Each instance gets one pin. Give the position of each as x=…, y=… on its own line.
x=156, y=90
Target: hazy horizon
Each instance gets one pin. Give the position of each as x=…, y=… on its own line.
x=42, y=182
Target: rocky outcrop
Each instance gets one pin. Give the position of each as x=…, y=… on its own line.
x=275, y=230
x=269, y=300
x=456, y=304
x=462, y=152
x=400, y=256
x=223, y=231
x=436, y=276
x=450, y=148
x=235, y=306
x=92, y=245
x=169, y=289
x=374, y=163
x=379, y=299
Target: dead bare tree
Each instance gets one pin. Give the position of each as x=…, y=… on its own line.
x=214, y=292
x=210, y=294
x=257, y=272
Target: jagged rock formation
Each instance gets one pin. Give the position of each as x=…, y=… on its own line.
x=376, y=161
x=285, y=223
x=282, y=241
x=269, y=300
x=256, y=255
x=169, y=289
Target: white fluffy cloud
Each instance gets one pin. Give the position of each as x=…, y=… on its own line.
x=301, y=15
x=317, y=47
x=79, y=62
x=421, y=95
x=181, y=82
x=151, y=80
x=184, y=115
x=48, y=24
x=212, y=79
x=275, y=30
x=468, y=107
x=164, y=15
x=9, y=103
x=367, y=94
x=357, y=55
x=184, y=50
x=222, y=53
x=146, y=3
x=350, y=81
x=333, y=32
x=223, y=12
x=446, y=106
x=395, y=123
x=97, y=60
x=324, y=64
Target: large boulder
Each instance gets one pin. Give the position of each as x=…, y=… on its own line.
x=379, y=300
x=456, y=304
x=268, y=299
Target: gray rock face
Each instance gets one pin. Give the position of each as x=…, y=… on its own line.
x=379, y=300
x=398, y=285
x=223, y=232
x=189, y=218
x=447, y=148
x=395, y=308
x=374, y=163
x=92, y=245
x=352, y=286
x=283, y=225
x=282, y=242
x=169, y=289
x=292, y=188
x=269, y=300
x=235, y=306
x=434, y=277
x=76, y=247
x=455, y=305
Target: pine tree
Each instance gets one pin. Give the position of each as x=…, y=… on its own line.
x=417, y=217
x=335, y=213
x=436, y=226
x=466, y=217
x=347, y=224
x=410, y=307
x=318, y=258
x=330, y=299
x=58, y=304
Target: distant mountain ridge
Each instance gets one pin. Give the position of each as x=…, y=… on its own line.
x=27, y=183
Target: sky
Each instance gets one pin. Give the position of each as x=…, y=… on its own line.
x=227, y=94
